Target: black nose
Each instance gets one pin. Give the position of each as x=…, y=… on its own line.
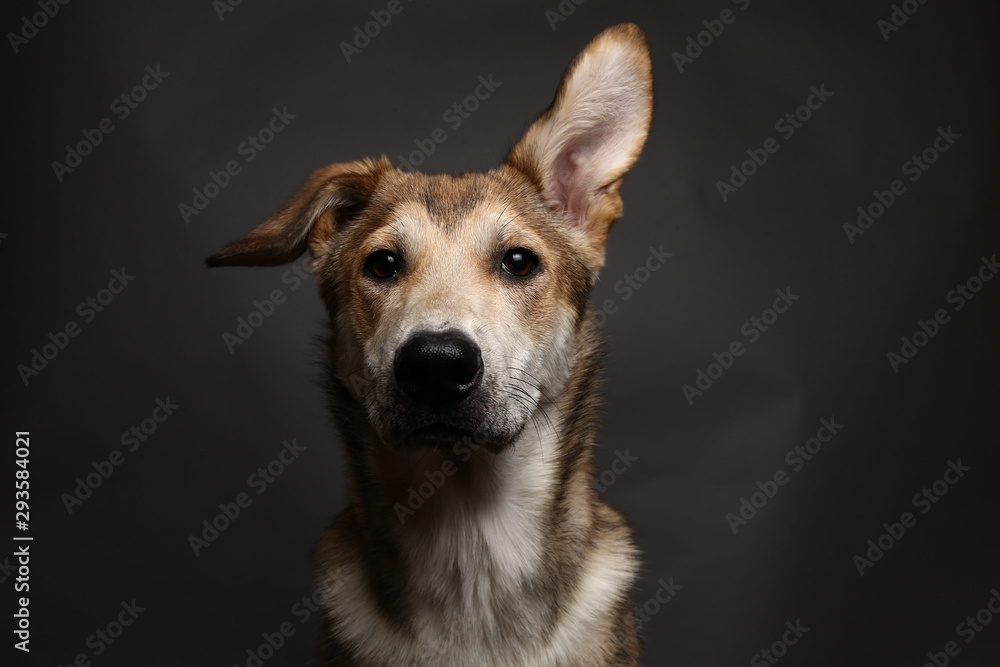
x=438, y=368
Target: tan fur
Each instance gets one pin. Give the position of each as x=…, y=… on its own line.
x=534, y=154
x=514, y=560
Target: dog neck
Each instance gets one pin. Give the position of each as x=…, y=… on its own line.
x=466, y=514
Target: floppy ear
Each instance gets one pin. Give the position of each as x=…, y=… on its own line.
x=578, y=151
x=331, y=195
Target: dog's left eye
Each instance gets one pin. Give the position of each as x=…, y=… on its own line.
x=519, y=262
x=382, y=264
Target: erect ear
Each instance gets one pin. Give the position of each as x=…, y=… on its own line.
x=331, y=195
x=578, y=151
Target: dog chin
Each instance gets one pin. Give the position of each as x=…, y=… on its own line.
x=445, y=436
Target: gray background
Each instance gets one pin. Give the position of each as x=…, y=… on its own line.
x=162, y=336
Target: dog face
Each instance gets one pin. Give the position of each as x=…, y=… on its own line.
x=457, y=298
x=460, y=296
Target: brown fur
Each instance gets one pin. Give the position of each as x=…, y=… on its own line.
x=451, y=226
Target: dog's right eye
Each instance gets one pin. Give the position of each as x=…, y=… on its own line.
x=382, y=264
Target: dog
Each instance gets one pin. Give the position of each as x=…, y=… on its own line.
x=462, y=365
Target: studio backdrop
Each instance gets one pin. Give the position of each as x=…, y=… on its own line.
x=800, y=305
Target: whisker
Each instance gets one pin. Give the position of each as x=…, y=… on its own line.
x=536, y=384
x=531, y=415
x=538, y=404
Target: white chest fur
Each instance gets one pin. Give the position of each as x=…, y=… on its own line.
x=472, y=551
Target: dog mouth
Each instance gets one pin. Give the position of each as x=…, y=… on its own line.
x=438, y=435
x=454, y=434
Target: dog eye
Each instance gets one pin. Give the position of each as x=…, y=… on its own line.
x=382, y=264
x=519, y=262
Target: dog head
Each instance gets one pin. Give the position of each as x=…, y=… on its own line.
x=460, y=296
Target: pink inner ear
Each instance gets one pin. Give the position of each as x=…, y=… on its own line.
x=576, y=173
x=594, y=131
